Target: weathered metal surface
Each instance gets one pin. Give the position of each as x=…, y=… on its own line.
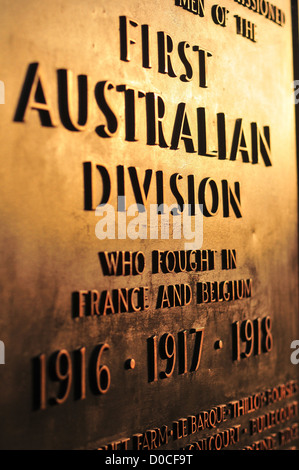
x=176, y=107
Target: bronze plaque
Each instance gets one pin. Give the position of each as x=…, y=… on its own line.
x=149, y=247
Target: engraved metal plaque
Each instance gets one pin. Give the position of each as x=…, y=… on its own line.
x=149, y=245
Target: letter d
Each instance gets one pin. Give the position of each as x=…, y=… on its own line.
x=153, y=459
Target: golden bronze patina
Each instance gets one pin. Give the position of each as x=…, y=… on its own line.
x=149, y=242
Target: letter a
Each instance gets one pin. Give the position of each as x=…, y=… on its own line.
x=33, y=96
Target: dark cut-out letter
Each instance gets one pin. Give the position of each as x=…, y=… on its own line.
x=131, y=99
x=125, y=40
x=221, y=133
x=176, y=193
x=183, y=3
x=65, y=100
x=232, y=198
x=33, y=96
x=202, y=134
x=140, y=192
x=100, y=91
x=165, y=48
x=260, y=144
x=191, y=195
x=201, y=8
x=202, y=63
x=146, y=46
x=186, y=77
x=155, y=111
x=121, y=200
x=239, y=143
x=88, y=186
x=219, y=15
x=202, y=197
x=181, y=130
x=160, y=191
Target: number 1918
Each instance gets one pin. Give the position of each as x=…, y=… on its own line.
x=252, y=337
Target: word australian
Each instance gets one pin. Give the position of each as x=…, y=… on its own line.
x=147, y=117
